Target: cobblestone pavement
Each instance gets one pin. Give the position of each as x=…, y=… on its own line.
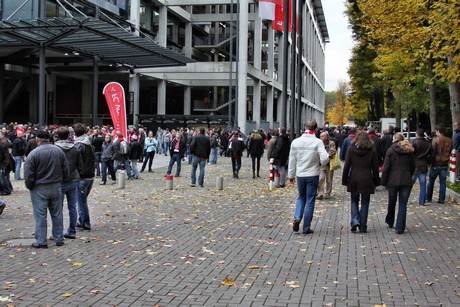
x=203, y=247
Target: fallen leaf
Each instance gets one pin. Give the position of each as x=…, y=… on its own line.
x=252, y=267
x=32, y=281
x=77, y=264
x=67, y=295
x=228, y=282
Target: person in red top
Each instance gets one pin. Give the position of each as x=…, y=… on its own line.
x=176, y=153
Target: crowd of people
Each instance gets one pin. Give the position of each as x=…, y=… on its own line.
x=61, y=163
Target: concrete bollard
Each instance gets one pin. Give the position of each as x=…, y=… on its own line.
x=121, y=179
x=169, y=182
x=219, y=183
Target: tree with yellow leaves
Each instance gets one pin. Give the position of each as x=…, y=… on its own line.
x=342, y=110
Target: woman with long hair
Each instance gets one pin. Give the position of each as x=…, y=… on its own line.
x=398, y=169
x=361, y=176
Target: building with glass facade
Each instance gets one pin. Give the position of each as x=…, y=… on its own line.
x=181, y=62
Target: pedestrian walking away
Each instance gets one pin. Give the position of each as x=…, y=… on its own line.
x=398, y=169
x=422, y=154
x=305, y=158
x=361, y=177
x=441, y=147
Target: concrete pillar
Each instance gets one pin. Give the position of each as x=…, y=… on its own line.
x=134, y=14
x=187, y=100
x=270, y=96
x=256, y=102
x=134, y=87
x=242, y=64
x=257, y=39
x=188, y=40
x=161, y=98
x=163, y=26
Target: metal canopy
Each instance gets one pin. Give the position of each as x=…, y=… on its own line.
x=89, y=37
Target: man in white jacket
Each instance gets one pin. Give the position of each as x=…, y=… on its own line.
x=306, y=156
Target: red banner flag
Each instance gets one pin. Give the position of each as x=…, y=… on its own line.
x=278, y=22
x=115, y=97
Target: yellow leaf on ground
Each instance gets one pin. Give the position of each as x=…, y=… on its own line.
x=77, y=264
x=67, y=295
x=228, y=282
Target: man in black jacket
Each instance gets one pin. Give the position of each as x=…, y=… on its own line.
x=85, y=184
x=200, y=148
x=44, y=170
x=69, y=187
x=280, y=154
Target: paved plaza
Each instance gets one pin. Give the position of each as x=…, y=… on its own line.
x=233, y=247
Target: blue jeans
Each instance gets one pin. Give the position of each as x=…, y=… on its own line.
x=174, y=158
x=84, y=188
x=282, y=172
x=404, y=192
x=107, y=164
x=5, y=184
x=47, y=197
x=166, y=148
x=213, y=157
x=307, y=188
x=17, y=167
x=236, y=165
x=359, y=216
x=422, y=181
x=202, y=163
x=135, y=170
x=436, y=171
x=69, y=190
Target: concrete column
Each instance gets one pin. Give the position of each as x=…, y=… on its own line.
x=187, y=100
x=161, y=110
x=188, y=40
x=33, y=101
x=134, y=86
x=163, y=26
x=134, y=14
x=279, y=108
x=270, y=95
x=257, y=39
x=256, y=102
x=271, y=50
x=242, y=64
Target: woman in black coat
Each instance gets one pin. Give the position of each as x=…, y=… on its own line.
x=398, y=168
x=361, y=176
x=256, y=150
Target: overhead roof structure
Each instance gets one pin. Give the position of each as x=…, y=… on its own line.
x=86, y=37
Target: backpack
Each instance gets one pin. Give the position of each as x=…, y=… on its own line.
x=124, y=148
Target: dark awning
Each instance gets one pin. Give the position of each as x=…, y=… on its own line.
x=87, y=37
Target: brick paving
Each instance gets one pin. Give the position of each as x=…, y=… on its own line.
x=154, y=247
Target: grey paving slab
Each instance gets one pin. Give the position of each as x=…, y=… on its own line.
x=155, y=247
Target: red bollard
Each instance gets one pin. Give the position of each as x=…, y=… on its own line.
x=169, y=182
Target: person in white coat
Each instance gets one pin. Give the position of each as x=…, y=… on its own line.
x=305, y=158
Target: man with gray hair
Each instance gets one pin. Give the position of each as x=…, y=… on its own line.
x=306, y=155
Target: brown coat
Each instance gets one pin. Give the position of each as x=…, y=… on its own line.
x=441, y=150
x=361, y=170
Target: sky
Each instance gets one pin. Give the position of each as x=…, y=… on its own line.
x=338, y=51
